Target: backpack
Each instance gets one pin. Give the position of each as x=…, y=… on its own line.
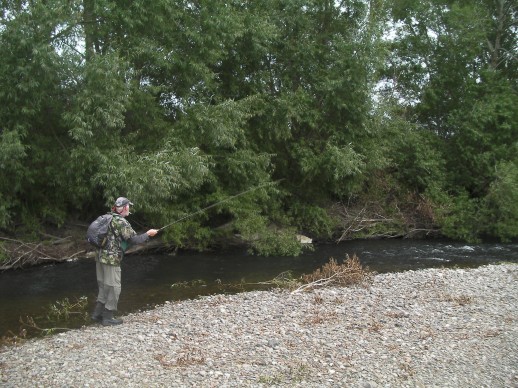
x=97, y=232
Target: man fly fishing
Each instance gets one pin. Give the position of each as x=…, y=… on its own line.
x=119, y=238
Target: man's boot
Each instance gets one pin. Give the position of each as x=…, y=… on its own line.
x=97, y=315
x=109, y=320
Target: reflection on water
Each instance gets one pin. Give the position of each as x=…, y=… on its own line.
x=147, y=280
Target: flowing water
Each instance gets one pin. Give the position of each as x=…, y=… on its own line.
x=151, y=280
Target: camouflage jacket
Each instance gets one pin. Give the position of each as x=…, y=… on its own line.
x=120, y=237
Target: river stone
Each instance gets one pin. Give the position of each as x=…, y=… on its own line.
x=426, y=328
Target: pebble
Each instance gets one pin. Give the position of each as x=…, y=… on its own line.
x=427, y=328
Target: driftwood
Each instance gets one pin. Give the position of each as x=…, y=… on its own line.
x=351, y=272
x=20, y=254
x=357, y=221
x=16, y=253
x=368, y=221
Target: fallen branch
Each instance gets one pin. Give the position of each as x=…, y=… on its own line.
x=19, y=254
x=75, y=254
x=333, y=274
x=56, y=240
x=29, y=323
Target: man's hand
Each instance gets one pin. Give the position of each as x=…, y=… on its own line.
x=152, y=232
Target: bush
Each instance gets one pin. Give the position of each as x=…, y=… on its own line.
x=459, y=218
x=500, y=215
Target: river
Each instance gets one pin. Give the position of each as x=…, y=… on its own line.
x=151, y=280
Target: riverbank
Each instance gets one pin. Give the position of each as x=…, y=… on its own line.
x=427, y=328
x=57, y=245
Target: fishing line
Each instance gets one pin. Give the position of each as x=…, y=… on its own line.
x=218, y=203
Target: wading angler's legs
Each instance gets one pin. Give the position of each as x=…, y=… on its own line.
x=109, y=282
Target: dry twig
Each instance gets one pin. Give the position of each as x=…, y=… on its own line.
x=333, y=274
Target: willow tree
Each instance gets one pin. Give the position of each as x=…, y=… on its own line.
x=69, y=94
x=33, y=143
x=179, y=105
x=264, y=90
x=454, y=68
x=309, y=67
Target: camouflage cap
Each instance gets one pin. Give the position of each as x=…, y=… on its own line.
x=121, y=201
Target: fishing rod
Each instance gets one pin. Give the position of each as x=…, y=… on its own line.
x=218, y=203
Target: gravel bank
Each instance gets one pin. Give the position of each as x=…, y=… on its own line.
x=429, y=328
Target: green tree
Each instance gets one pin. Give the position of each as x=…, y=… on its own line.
x=453, y=67
x=32, y=144
x=500, y=209
x=308, y=64
x=179, y=105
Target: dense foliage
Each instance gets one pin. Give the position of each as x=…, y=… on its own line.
x=181, y=104
x=454, y=64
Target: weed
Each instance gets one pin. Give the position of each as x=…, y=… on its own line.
x=284, y=280
x=189, y=358
x=294, y=374
x=375, y=326
x=406, y=369
x=192, y=283
x=333, y=274
x=271, y=380
x=12, y=339
x=460, y=300
x=186, y=358
x=217, y=300
x=31, y=324
x=63, y=309
x=394, y=347
x=321, y=317
x=60, y=311
x=161, y=358
x=491, y=333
